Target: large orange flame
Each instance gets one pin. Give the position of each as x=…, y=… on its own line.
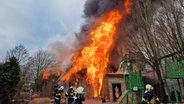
x=94, y=57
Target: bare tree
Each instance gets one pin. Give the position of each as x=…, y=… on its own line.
x=169, y=26
x=156, y=30
x=144, y=38
x=22, y=55
x=20, y=52
x=40, y=61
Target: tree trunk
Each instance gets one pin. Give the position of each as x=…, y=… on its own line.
x=163, y=97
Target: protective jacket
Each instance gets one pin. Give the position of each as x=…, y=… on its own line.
x=79, y=98
x=150, y=98
x=57, y=96
x=70, y=94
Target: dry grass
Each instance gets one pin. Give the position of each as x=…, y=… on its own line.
x=40, y=101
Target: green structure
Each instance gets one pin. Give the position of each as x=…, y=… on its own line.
x=174, y=70
x=134, y=86
x=134, y=83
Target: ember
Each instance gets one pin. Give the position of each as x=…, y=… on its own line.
x=46, y=74
x=57, y=74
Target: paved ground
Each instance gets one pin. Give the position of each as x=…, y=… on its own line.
x=88, y=101
x=96, y=101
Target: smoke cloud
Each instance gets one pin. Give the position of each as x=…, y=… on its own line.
x=93, y=12
x=94, y=8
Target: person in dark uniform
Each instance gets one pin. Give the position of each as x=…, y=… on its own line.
x=57, y=95
x=149, y=96
x=70, y=94
x=79, y=96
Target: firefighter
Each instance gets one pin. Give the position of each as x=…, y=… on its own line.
x=57, y=95
x=70, y=94
x=79, y=96
x=149, y=96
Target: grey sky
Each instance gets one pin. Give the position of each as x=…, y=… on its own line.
x=38, y=23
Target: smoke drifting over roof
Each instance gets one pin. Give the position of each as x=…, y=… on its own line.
x=94, y=8
x=93, y=14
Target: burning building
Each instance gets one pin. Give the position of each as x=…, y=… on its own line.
x=99, y=40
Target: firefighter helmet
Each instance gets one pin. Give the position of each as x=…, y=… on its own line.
x=149, y=88
x=80, y=90
x=61, y=87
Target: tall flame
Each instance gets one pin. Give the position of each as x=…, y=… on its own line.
x=94, y=57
